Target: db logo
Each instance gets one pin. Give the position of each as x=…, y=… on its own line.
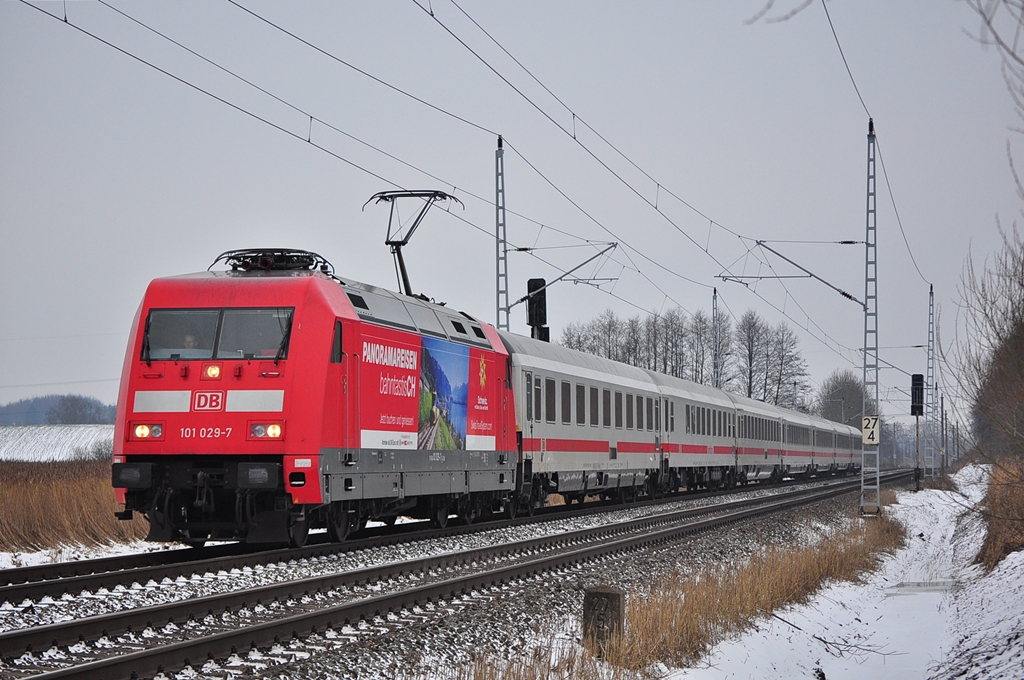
x=208, y=401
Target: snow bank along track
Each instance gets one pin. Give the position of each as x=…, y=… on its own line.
x=178, y=634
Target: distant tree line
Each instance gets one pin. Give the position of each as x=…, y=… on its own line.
x=756, y=359
x=57, y=409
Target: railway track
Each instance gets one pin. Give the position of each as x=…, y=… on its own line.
x=186, y=632
x=55, y=580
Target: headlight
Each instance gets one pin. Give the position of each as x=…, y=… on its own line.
x=266, y=430
x=211, y=372
x=146, y=431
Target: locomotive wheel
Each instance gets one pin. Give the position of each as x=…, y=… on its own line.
x=440, y=518
x=468, y=513
x=339, y=522
x=298, y=533
x=390, y=520
x=195, y=539
x=510, y=507
x=527, y=505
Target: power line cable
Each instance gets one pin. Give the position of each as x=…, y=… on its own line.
x=474, y=125
x=308, y=139
x=881, y=160
x=603, y=164
x=845, y=63
x=348, y=135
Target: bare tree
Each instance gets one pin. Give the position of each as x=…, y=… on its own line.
x=751, y=350
x=76, y=409
x=787, y=368
x=840, y=398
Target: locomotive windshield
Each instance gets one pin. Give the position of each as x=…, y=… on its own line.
x=217, y=334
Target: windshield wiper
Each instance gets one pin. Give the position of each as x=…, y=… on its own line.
x=145, y=344
x=284, y=342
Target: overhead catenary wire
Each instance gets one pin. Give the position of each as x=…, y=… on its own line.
x=878, y=145
x=508, y=143
x=312, y=117
x=659, y=185
x=320, y=147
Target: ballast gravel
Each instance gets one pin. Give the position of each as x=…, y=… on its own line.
x=68, y=607
x=503, y=623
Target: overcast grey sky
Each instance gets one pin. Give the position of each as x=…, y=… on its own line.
x=114, y=173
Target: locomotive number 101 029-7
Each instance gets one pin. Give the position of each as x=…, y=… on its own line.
x=205, y=432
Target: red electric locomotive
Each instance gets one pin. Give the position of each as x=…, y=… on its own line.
x=261, y=401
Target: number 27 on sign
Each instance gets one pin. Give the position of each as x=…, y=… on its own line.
x=870, y=430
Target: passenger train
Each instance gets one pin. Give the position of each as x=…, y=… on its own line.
x=273, y=396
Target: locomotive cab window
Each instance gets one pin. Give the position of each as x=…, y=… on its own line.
x=181, y=334
x=250, y=333
x=336, y=345
x=173, y=334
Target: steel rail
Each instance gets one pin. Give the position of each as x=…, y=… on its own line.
x=54, y=580
x=221, y=643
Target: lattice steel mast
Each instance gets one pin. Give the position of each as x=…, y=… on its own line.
x=929, y=390
x=870, y=499
x=501, y=245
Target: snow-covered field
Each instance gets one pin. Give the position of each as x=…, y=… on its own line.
x=52, y=442
x=926, y=613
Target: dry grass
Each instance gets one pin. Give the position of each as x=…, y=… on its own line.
x=47, y=505
x=683, y=616
x=1003, y=508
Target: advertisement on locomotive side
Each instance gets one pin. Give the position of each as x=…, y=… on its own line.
x=425, y=393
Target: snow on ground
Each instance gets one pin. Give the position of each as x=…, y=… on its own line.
x=76, y=553
x=52, y=442
x=927, y=612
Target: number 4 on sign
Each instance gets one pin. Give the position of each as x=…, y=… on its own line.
x=870, y=430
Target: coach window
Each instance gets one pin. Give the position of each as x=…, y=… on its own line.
x=657, y=415
x=529, y=396
x=566, y=403
x=618, y=410
x=672, y=416
x=606, y=408
x=629, y=411
x=594, y=401
x=581, y=405
x=536, y=398
x=639, y=412
x=650, y=414
x=549, y=398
